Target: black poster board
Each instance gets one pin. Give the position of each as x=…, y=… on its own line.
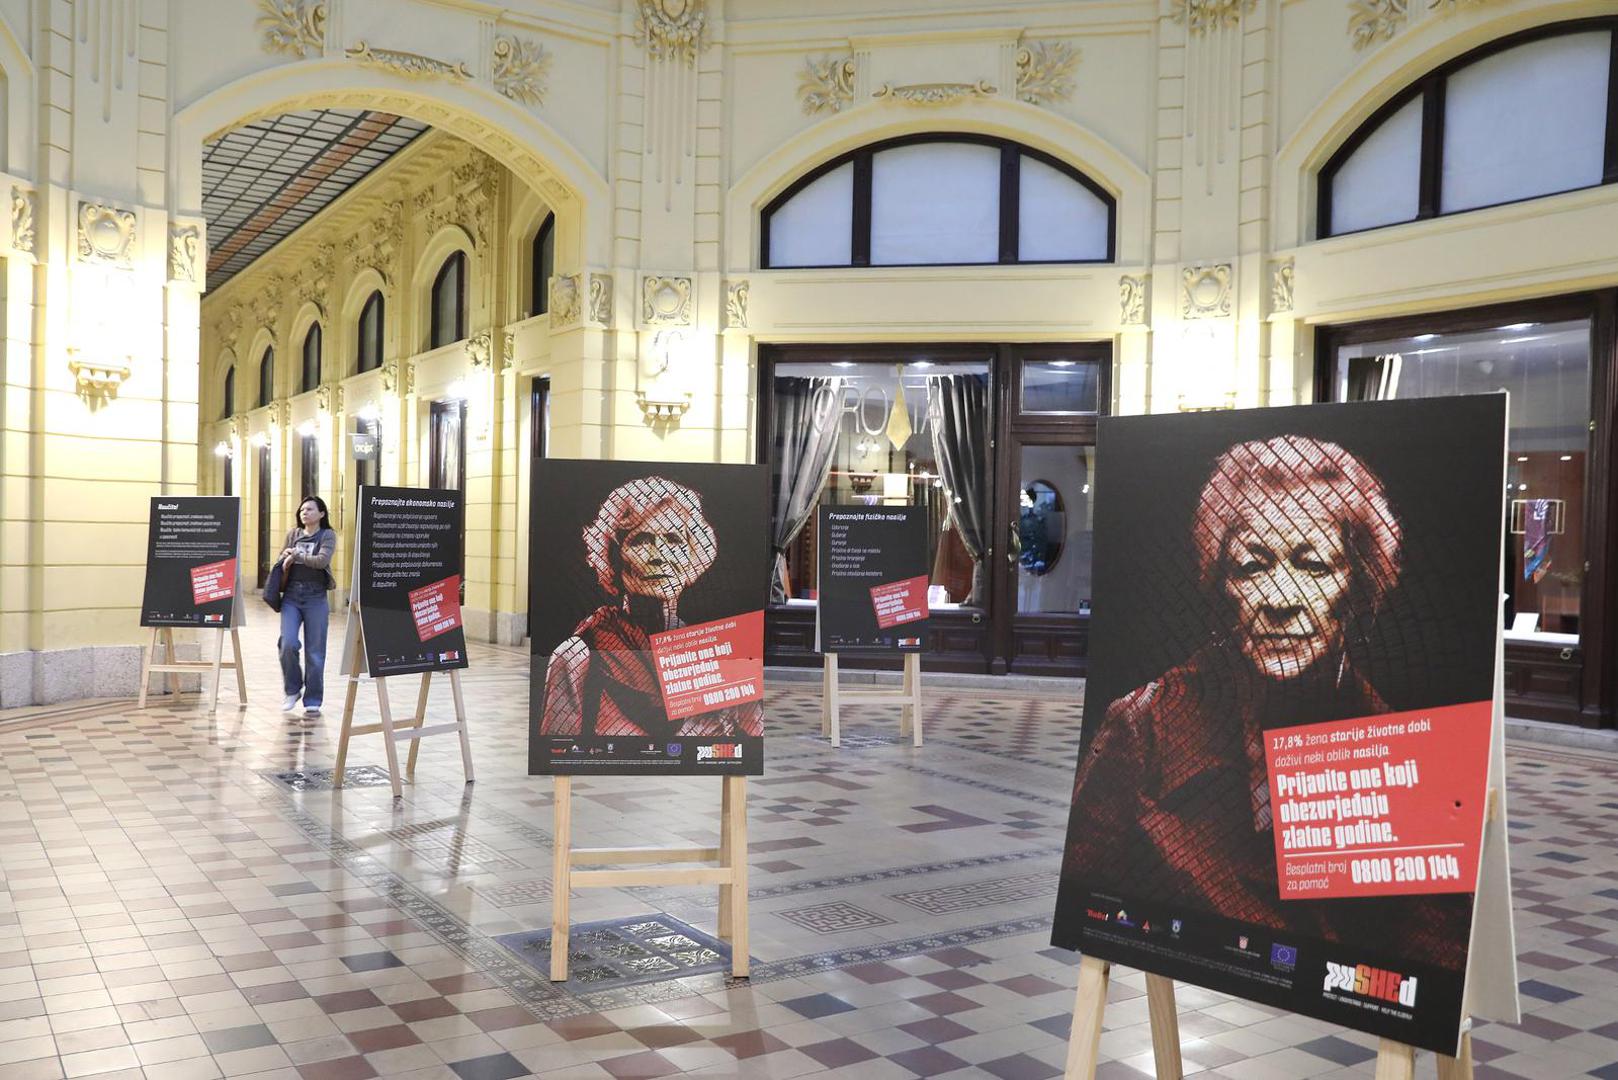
x=192, y=567
x=1282, y=780
x=647, y=618
x=408, y=566
x=872, y=578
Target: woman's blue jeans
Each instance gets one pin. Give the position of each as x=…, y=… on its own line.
x=304, y=604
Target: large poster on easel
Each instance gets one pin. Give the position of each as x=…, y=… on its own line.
x=1285, y=767
x=647, y=617
x=191, y=561
x=408, y=566
x=872, y=579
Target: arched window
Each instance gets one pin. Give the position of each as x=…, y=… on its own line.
x=543, y=258
x=266, y=378
x=1529, y=115
x=449, y=303
x=943, y=199
x=370, y=331
x=311, y=358
x=228, y=405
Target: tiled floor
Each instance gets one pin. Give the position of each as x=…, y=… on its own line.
x=187, y=897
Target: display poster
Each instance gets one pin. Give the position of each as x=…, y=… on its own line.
x=1282, y=779
x=646, y=618
x=191, y=561
x=872, y=579
x=409, y=571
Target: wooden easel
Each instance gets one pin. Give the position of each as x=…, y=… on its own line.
x=729, y=871
x=908, y=696
x=415, y=729
x=173, y=666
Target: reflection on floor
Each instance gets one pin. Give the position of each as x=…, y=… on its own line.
x=189, y=897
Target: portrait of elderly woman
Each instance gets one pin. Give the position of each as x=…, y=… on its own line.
x=1297, y=549
x=648, y=544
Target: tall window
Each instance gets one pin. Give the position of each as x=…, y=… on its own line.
x=228, y=405
x=1532, y=114
x=311, y=358
x=544, y=264
x=449, y=303
x=266, y=378
x=370, y=332
x=309, y=472
x=943, y=199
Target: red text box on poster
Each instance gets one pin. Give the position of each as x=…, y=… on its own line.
x=711, y=666
x=436, y=607
x=1388, y=805
x=900, y=602
x=215, y=581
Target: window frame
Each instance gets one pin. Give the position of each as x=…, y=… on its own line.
x=1010, y=199
x=539, y=287
x=1430, y=88
x=315, y=335
x=266, y=377
x=458, y=260
x=229, y=392
x=380, y=337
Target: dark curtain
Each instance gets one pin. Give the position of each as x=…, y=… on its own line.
x=804, y=428
x=958, y=414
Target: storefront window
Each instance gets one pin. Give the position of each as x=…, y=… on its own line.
x=1546, y=369
x=883, y=434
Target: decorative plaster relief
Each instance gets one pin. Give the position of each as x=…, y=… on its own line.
x=323, y=398
x=1132, y=300
x=314, y=280
x=661, y=412
x=297, y=27
x=520, y=69
x=267, y=306
x=106, y=233
x=22, y=220
x=665, y=301
x=185, y=244
x=97, y=383
x=673, y=29
x=1371, y=21
x=826, y=84
x=407, y=374
x=390, y=376
x=480, y=350
x=1205, y=291
x=508, y=359
x=1045, y=71
x=1202, y=16
x=601, y=299
x=1281, y=280
x=565, y=301
x=407, y=63
x=934, y=93
x=736, y=304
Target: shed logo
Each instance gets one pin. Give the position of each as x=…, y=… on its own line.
x=1371, y=982
x=720, y=751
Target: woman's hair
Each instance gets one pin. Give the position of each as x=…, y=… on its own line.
x=325, y=519
x=630, y=506
x=1306, y=477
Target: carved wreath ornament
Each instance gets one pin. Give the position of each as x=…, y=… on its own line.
x=673, y=29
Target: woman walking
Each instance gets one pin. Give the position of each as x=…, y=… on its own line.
x=305, y=560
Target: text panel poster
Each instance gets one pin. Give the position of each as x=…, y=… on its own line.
x=872, y=578
x=1281, y=788
x=191, y=561
x=647, y=617
x=409, y=554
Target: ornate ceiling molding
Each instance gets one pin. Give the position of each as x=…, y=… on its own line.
x=826, y=84
x=1045, y=71
x=934, y=94
x=410, y=64
x=520, y=69
x=673, y=29
x=1204, y=16
x=297, y=27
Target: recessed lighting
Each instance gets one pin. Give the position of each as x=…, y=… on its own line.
x=920, y=363
x=1520, y=326
x=1062, y=363
x=1425, y=337
x=1522, y=487
x=842, y=363
x=1567, y=457
x=1523, y=458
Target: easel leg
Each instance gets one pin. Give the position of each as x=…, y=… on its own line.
x=906, y=716
x=836, y=726
x=146, y=668
x=218, y=659
x=739, y=960
x=1395, y=1061
x=241, y=673
x=827, y=680
x=387, y=736
x=1458, y=1067
x=1165, y=1027
x=913, y=671
x=460, y=718
x=1084, y=1044
x=352, y=653
x=726, y=850
x=561, y=868
x=419, y=719
x=171, y=679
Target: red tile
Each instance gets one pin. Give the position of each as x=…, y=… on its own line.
x=382, y=1038
x=348, y=1001
x=945, y=1004
x=748, y=1044
x=499, y=1019
x=659, y=1036
x=636, y=1066
x=461, y=984
x=587, y=1026
x=424, y=1009
x=349, y=1068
